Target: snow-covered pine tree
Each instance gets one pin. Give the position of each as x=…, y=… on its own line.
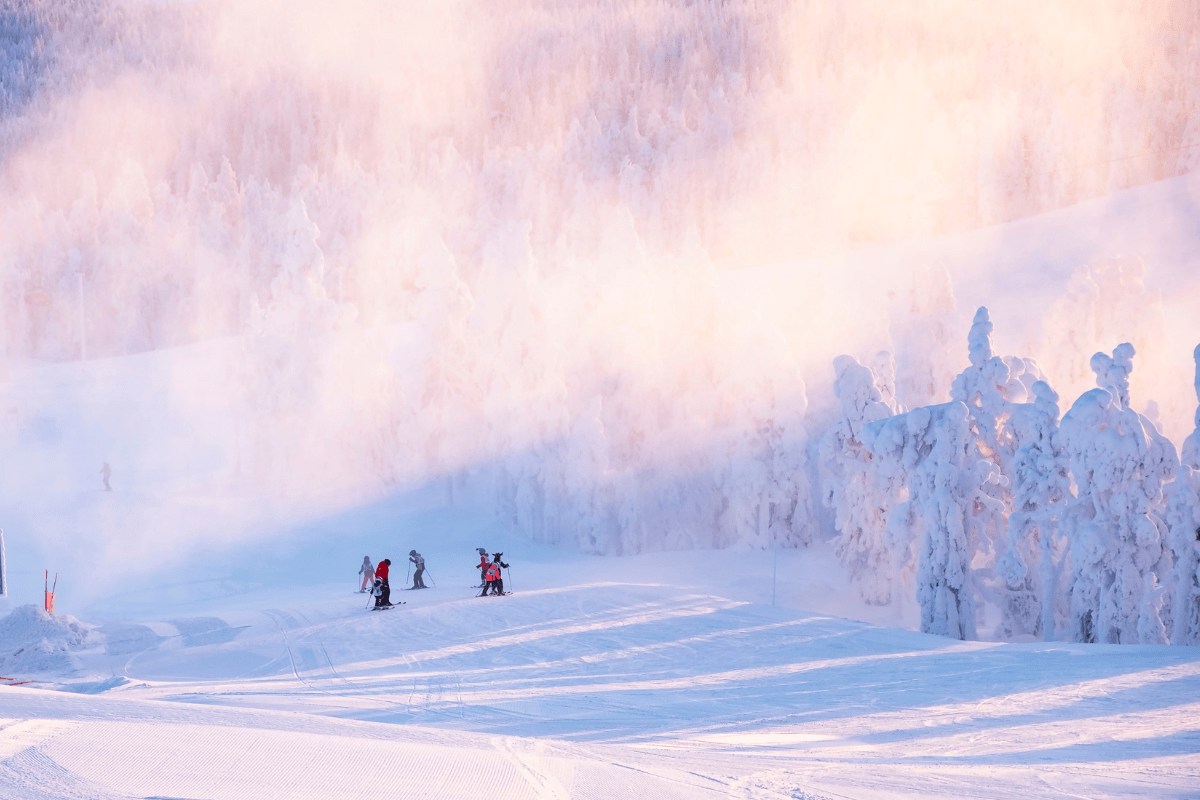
x=1183, y=518
x=991, y=388
x=1113, y=527
x=848, y=486
x=930, y=445
x=983, y=388
x=1031, y=566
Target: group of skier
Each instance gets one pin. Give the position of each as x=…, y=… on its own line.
x=375, y=578
x=491, y=579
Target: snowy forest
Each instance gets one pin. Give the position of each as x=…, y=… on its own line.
x=484, y=244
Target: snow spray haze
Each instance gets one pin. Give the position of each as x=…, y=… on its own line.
x=365, y=245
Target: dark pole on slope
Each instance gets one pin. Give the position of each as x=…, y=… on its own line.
x=431, y=580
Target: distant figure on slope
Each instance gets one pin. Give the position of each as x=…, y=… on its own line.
x=367, y=570
x=419, y=562
x=384, y=598
x=106, y=473
x=483, y=566
x=498, y=583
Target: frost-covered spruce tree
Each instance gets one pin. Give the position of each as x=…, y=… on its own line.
x=1183, y=519
x=981, y=388
x=848, y=486
x=1031, y=566
x=1114, y=529
x=991, y=387
x=946, y=491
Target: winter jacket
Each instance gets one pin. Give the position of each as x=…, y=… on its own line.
x=483, y=563
x=419, y=560
x=382, y=571
x=501, y=563
x=366, y=568
x=493, y=572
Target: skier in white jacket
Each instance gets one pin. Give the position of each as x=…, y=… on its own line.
x=368, y=573
x=419, y=562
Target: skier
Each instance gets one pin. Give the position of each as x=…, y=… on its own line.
x=367, y=570
x=106, y=473
x=489, y=578
x=384, y=598
x=419, y=561
x=483, y=566
x=498, y=583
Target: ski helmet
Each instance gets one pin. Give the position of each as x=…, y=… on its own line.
x=412, y=552
x=482, y=552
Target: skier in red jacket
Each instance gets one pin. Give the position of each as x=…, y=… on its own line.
x=489, y=579
x=381, y=572
x=498, y=582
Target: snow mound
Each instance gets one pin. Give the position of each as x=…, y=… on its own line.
x=35, y=642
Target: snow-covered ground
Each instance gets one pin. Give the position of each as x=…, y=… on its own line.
x=210, y=643
x=558, y=279
x=663, y=675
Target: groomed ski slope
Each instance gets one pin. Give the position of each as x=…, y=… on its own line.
x=667, y=675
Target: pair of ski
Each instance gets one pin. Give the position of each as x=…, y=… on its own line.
x=385, y=608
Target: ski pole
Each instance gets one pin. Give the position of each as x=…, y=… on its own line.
x=407, y=570
x=431, y=580
x=509, y=571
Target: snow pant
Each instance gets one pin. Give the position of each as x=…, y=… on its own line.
x=486, y=585
x=385, y=596
x=367, y=581
x=417, y=582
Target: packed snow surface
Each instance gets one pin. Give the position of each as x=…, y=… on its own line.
x=663, y=675
x=752, y=294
